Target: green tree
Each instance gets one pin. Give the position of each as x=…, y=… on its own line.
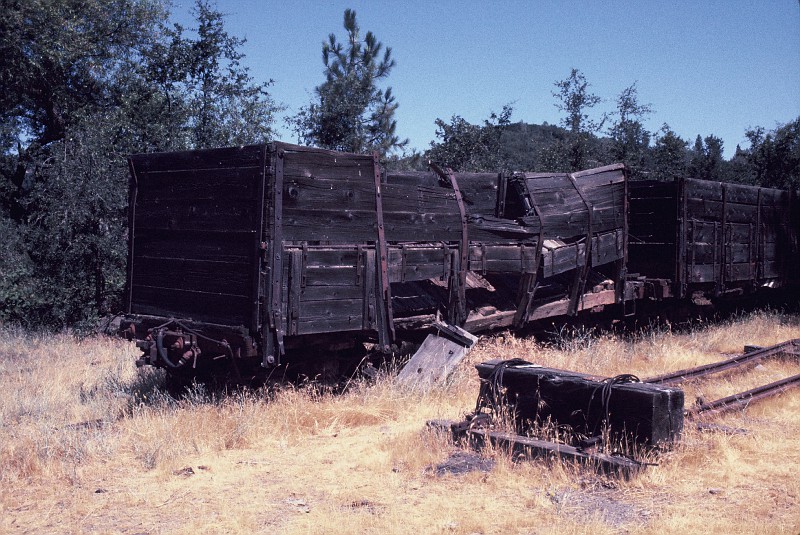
x=739, y=169
x=774, y=157
x=226, y=106
x=62, y=176
x=350, y=112
x=464, y=146
x=670, y=155
x=57, y=58
x=707, y=161
x=86, y=84
x=74, y=231
x=630, y=140
x=573, y=98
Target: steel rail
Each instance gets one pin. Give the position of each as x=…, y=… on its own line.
x=745, y=398
x=790, y=346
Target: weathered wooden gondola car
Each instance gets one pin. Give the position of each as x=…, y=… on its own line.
x=261, y=251
x=704, y=239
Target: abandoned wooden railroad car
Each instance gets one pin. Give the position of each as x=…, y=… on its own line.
x=257, y=251
x=262, y=252
x=697, y=237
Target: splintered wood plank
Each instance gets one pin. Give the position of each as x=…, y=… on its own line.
x=434, y=361
x=560, y=307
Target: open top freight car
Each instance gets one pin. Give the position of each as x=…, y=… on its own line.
x=702, y=238
x=260, y=251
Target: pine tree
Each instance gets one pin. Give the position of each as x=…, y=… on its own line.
x=350, y=112
x=707, y=162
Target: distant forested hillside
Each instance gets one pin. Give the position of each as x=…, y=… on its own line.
x=771, y=160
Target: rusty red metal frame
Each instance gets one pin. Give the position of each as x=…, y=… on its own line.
x=460, y=314
x=528, y=284
x=275, y=320
x=582, y=273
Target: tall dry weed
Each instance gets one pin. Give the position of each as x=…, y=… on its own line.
x=90, y=441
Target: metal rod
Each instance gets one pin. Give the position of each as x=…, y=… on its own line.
x=745, y=398
x=715, y=367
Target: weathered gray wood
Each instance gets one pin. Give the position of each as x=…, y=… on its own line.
x=533, y=448
x=228, y=309
x=435, y=360
x=233, y=157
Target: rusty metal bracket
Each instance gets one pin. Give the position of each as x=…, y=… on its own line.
x=259, y=314
x=274, y=347
x=458, y=310
x=385, y=320
x=581, y=273
x=528, y=284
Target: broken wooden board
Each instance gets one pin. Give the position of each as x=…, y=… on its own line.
x=487, y=319
x=437, y=357
x=531, y=448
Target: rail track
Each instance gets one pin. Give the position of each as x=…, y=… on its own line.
x=735, y=364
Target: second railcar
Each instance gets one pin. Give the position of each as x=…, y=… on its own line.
x=709, y=238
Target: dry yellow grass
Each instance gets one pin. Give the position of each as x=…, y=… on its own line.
x=88, y=445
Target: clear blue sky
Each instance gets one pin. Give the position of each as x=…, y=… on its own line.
x=706, y=67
